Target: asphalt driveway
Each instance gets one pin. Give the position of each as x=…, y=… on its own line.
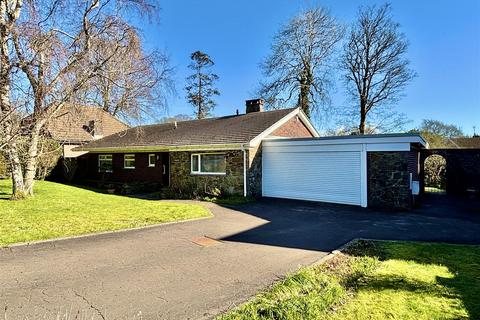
x=197, y=269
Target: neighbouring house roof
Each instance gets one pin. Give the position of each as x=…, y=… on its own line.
x=221, y=131
x=80, y=124
x=466, y=142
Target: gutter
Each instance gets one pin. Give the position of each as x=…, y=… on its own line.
x=236, y=146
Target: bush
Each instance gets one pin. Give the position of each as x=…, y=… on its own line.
x=435, y=167
x=49, y=152
x=202, y=189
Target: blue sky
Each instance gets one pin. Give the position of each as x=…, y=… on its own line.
x=444, y=50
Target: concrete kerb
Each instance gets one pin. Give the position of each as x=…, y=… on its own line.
x=335, y=252
x=102, y=233
x=320, y=261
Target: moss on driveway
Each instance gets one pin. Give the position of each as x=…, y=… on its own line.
x=59, y=210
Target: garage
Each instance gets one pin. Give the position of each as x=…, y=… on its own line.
x=335, y=169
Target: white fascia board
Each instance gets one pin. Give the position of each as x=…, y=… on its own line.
x=392, y=140
x=220, y=147
x=337, y=147
x=388, y=146
x=312, y=149
x=296, y=112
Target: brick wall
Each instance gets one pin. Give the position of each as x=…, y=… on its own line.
x=141, y=173
x=389, y=180
x=231, y=183
x=462, y=168
x=414, y=164
x=294, y=128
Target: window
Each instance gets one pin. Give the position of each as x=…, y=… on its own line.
x=151, y=160
x=129, y=161
x=209, y=163
x=195, y=163
x=105, y=163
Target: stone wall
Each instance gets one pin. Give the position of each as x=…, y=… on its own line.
x=254, y=172
x=182, y=179
x=389, y=180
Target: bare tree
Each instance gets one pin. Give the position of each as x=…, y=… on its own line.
x=49, y=49
x=438, y=134
x=375, y=64
x=9, y=14
x=133, y=84
x=200, y=85
x=298, y=67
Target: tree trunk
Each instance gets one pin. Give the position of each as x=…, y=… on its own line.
x=18, y=186
x=200, y=114
x=303, y=98
x=31, y=161
x=7, y=126
x=363, y=117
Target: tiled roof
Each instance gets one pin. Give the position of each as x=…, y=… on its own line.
x=223, y=130
x=465, y=142
x=72, y=124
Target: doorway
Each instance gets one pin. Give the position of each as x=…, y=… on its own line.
x=435, y=174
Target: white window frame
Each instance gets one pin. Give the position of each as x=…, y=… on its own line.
x=125, y=159
x=199, y=172
x=100, y=160
x=152, y=165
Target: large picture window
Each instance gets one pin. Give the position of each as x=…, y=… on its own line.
x=129, y=161
x=208, y=163
x=105, y=163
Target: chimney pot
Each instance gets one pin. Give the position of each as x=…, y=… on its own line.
x=254, y=105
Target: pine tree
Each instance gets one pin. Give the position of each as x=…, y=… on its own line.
x=200, y=85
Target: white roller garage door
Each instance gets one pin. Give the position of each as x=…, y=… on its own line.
x=329, y=173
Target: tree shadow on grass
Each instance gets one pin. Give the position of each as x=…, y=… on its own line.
x=462, y=261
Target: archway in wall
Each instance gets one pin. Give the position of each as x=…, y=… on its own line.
x=435, y=174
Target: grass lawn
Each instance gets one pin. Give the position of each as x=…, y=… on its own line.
x=59, y=210
x=377, y=280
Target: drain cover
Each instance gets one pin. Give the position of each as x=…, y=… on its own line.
x=205, y=241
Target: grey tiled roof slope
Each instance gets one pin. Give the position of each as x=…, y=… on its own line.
x=68, y=125
x=223, y=130
x=467, y=142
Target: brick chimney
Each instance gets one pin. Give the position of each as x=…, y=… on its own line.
x=94, y=128
x=254, y=105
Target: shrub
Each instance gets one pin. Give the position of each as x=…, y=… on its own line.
x=435, y=167
x=202, y=188
x=49, y=152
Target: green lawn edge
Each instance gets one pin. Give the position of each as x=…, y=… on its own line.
x=58, y=211
x=376, y=280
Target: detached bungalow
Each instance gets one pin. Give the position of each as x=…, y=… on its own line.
x=262, y=153
x=223, y=153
